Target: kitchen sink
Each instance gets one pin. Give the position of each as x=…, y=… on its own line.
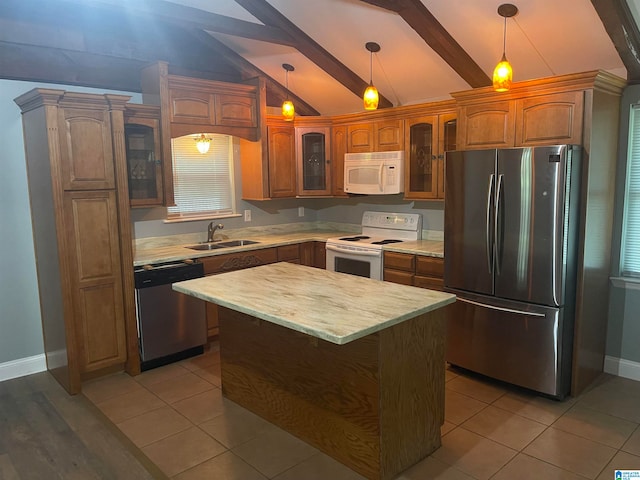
x=237, y=243
x=217, y=245
x=205, y=246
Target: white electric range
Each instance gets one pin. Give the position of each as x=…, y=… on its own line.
x=361, y=254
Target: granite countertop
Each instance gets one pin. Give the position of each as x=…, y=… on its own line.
x=158, y=253
x=331, y=306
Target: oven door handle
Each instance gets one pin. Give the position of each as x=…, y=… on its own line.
x=372, y=253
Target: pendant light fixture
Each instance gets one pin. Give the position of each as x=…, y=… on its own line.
x=503, y=73
x=288, y=110
x=371, y=93
x=203, y=143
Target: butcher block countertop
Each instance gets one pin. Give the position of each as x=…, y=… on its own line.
x=331, y=306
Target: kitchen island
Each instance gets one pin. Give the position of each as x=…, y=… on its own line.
x=351, y=365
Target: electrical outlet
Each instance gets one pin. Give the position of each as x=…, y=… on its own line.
x=301, y=211
x=247, y=215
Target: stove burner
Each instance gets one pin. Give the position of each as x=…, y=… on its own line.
x=384, y=242
x=355, y=238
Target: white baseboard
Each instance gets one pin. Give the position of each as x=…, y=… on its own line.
x=22, y=366
x=622, y=368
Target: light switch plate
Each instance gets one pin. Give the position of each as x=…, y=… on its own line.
x=301, y=211
x=247, y=215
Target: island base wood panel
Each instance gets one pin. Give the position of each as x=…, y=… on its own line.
x=375, y=404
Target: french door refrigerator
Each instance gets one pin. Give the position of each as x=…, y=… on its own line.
x=510, y=241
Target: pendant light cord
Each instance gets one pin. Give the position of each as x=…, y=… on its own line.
x=370, y=67
x=504, y=38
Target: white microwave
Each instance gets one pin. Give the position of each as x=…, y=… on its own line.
x=374, y=173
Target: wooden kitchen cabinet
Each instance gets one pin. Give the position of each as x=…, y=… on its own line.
x=77, y=172
x=289, y=253
x=377, y=136
x=282, y=162
x=313, y=162
x=520, y=121
x=338, y=149
x=144, y=155
x=416, y=270
x=427, y=138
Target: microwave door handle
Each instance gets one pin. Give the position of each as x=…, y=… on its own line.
x=336, y=248
x=380, y=172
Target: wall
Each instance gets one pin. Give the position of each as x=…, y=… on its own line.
x=623, y=333
x=21, y=346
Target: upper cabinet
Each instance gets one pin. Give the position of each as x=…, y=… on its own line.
x=144, y=155
x=536, y=113
x=376, y=136
x=197, y=105
x=427, y=138
x=338, y=149
x=313, y=150
x=193, y=105
x=282, y=161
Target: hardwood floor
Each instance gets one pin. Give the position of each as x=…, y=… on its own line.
x=47, y=434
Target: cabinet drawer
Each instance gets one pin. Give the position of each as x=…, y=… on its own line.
x=237, y=261
x=432, y=283
x=430, y=266
x=399, y=261
x=397, y=276
x=288, y=253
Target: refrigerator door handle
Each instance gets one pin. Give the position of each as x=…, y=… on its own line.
x=501, y=309
x=488, y=225
x=496, y=224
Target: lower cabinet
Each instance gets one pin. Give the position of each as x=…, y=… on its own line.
x=238, y=261
x=312, y=254
x=416, y=270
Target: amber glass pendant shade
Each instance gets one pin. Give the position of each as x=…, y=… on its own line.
x=503, y=73
x=203, y=143
x=371, y=98
x=288, y=110
x=502, y=76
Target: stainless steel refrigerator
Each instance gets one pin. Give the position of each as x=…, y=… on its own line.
x=510, y=247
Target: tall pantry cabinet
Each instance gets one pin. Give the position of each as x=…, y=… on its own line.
x=76, y=169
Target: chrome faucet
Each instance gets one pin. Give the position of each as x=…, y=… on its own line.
x=211, y=231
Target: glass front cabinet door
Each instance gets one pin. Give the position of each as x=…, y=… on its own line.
x=427, y=138
x=312, y=154
x=144, y=164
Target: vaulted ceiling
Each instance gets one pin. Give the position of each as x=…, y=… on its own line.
x=429, y=48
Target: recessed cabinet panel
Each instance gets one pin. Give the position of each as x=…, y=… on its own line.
x=555, y=118
x=388, y=135
x=360, y=138
x=487, y=125
x=191, y=107
x=100, y=315
x=282, y=167
x=236, y=111
x=86, y=151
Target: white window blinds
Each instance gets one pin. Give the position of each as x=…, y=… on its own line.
x=203, y=183
x=630, y=255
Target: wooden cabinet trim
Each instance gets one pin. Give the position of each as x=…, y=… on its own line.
x=236, y=261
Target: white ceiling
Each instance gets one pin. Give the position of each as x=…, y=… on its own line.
x=546, y=38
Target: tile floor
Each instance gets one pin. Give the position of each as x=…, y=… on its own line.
x=177, y=416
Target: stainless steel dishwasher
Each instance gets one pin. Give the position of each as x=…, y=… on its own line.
x=171, y=326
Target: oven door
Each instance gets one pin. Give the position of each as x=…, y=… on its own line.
x=363, y=262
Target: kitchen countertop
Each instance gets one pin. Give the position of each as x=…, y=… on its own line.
x=331, y=306
x=151, y=253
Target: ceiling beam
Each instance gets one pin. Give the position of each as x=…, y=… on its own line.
x=414, y=13
x=386, y=4
x=268, y=15
x=619, y=23
x=276, y=93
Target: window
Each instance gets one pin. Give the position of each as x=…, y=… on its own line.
x=203, y=183
x=630, y=252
